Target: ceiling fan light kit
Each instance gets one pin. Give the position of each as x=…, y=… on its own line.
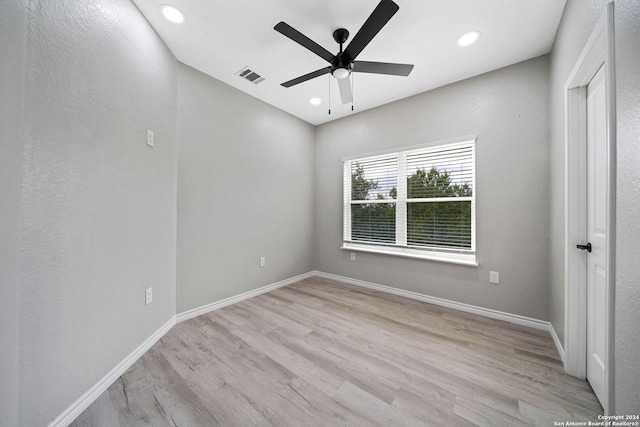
x=341, y=73
x=344, y=62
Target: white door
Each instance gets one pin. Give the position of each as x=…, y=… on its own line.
x=596, y=233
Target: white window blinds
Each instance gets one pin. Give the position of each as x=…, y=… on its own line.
x=421, y=199
x=440, y=196
x=373, y=208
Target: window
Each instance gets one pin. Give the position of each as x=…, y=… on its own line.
x=418, y=203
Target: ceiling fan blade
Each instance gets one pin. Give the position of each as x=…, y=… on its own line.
x=346, y=95
x=378, y=19
x=306, y=77
x=303, y=40
x=382, y=68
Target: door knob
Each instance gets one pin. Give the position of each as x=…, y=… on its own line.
x=586, y=247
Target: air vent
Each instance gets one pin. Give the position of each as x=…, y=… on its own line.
x=250, y=75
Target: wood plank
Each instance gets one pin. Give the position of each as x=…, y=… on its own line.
x=323, y=353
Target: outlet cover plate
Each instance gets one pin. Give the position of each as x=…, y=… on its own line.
x=494, y=277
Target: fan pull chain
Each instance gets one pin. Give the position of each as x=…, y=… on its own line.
x=329, y=94
x=353, y=79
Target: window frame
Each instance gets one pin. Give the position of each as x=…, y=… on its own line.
x=400, y=247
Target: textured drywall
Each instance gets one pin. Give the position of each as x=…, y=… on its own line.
x=578, y=21
x=576, y=25
x=99, y=205
x=245, y=190
x=627, y=313
x=13, y=36
x=508, y=111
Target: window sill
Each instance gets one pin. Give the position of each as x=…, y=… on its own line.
x=451, y=258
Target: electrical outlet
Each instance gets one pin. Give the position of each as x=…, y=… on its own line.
x=494, y=277
x=353, y=256
x=263, y=261
x=149, y=137
x=148, y=296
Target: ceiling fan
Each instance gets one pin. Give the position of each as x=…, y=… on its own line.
x=344, y=63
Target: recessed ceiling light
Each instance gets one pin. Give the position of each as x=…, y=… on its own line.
x=469, y=38
x=315, y=101
x=172, y=14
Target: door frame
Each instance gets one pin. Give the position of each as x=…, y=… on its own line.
x=598, y=51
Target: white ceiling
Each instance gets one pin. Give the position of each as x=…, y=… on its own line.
x=220, y=37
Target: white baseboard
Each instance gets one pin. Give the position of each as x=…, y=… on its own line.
x=558, y=344
x=481, y=311
x=237, y=298
x=83, y=402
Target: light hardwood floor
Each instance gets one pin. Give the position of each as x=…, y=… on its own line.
x=323, y=353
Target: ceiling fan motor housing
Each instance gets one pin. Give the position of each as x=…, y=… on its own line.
x=341, y=66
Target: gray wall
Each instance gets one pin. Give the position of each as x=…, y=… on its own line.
x=575, y=27
x=508, y=111
x=98, y=205
x=13, y=22
x=627, y=339
x=577, y=23
x=245, y=190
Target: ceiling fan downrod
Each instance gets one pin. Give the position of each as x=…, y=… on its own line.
x=341, y=64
